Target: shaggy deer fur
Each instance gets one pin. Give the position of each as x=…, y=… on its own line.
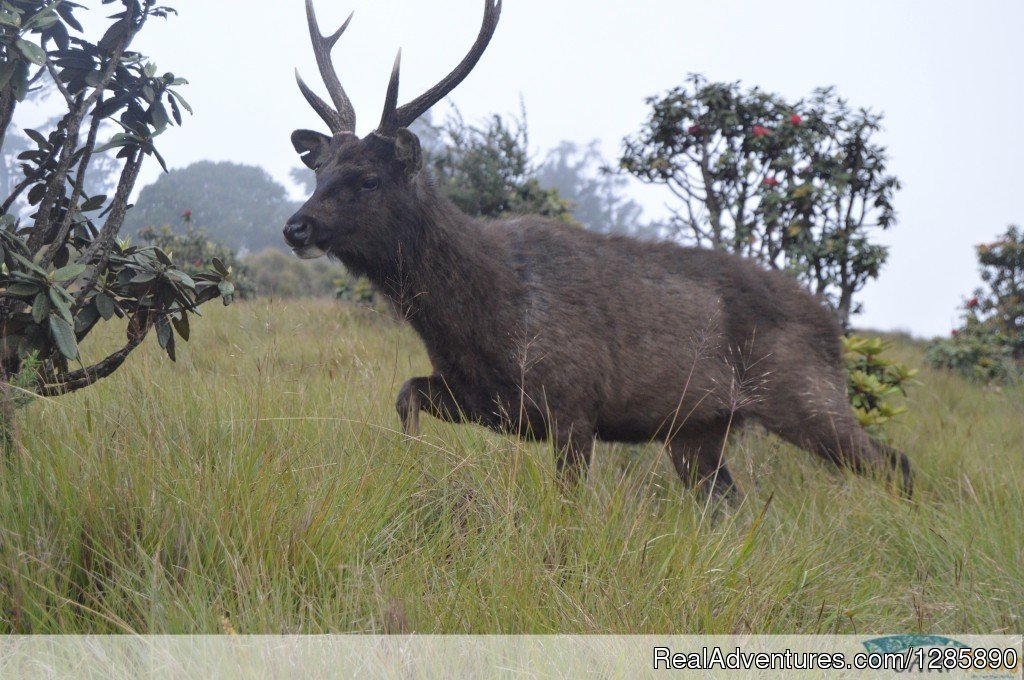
x=541, y=329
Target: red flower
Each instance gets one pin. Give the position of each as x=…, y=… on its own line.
x=770, y=182
x=693, y=129
x=198, y=263
x=954, y=332
x=187, y=216
x=761, y=131
x=796, y=119
x=972, y=303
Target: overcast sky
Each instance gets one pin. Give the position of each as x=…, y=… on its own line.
x=945, y=74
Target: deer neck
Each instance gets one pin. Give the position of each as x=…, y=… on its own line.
x=450, y=279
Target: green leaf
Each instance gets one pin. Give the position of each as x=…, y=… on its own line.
x=144, y=277
x=94, y=203
x=181, y=325
x=38, y=138
x=181, y=100
x=9, y=17
x=170, y=349
x=64, y=337
x=21, y=289
x=163, y=332
x=72, y=271
x=31, y=51
x=28, y=264
x=86, y=319
x=158, y=115
x=105, y=305
x=60, y=304
x=42, y=19
x=19, y=81
x=40, y=307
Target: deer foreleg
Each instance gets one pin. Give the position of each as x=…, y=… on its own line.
x=430, y=394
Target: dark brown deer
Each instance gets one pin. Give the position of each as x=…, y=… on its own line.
x=541, y=329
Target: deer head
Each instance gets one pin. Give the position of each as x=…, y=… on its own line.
x=363, y=186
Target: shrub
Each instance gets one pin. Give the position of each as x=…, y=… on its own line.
x=272, y=272
x=873, y=381
x=980, y=353
x=194, y=252
x=355, y=289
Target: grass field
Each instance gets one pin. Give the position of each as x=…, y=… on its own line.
x=259, y=485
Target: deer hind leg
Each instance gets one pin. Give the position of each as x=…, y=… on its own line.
x=430, y=394
x=697, y=454
x=835, y=435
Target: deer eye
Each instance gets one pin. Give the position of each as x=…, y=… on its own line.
x=371, y=183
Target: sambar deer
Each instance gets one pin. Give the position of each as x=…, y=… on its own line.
x=539, y=328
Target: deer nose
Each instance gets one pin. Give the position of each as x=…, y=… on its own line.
x=297, y=232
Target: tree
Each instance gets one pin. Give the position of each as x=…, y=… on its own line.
x=714, y=147
x=1001, y=301
x=989, y=343
x=240, y=206
x=64, y=269
x=798, y=186
x=581, y=176
x=831, y=205
x=488, y=170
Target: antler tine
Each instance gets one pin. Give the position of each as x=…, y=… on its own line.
x=325, y=111
x=345, y=114
x=387, y=121
x=404, y=115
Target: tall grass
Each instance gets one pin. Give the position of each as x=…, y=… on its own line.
x=260, y=485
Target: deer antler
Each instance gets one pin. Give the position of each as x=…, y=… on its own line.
x=342, y=116
x=395, y=117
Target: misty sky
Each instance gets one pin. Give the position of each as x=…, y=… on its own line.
x=946, y=75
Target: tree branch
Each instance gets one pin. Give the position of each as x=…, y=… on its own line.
x=99, y=250
x=76, y=380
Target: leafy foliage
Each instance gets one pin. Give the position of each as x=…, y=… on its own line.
x=241, y=206
x=989, y=344
x=196, y=252
x=64, y=270
x=488, y=171
x=355, y=289
x=873, y=381
x=798, y=186
x=977, y=351
x=1001, y=304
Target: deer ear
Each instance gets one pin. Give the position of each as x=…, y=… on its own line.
x=311, y=146
x=408, y=152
